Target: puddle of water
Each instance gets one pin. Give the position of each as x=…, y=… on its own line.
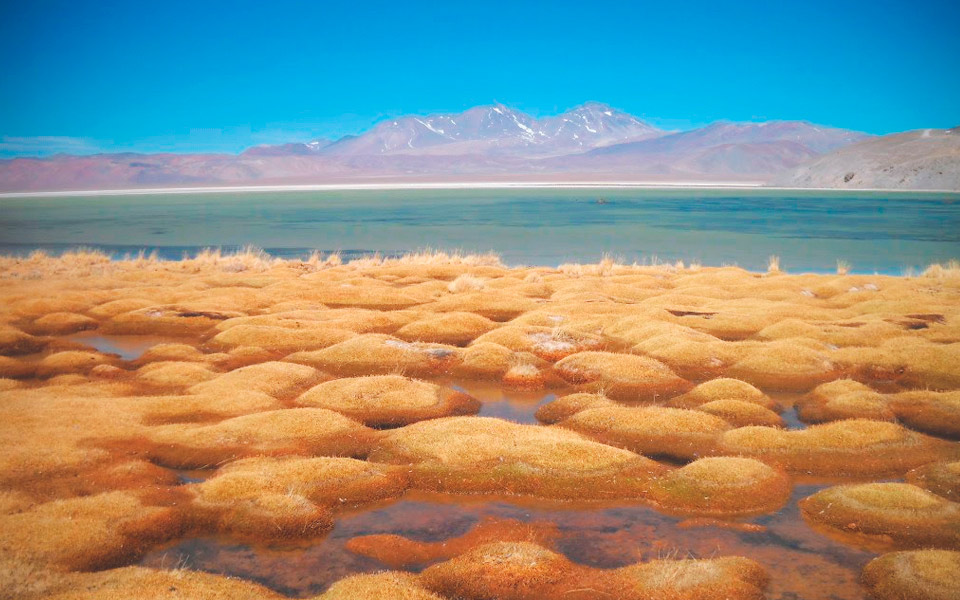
x=801, y=563
x=510, y=405
x=129, y=347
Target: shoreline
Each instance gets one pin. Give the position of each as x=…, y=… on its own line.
x=466, y=185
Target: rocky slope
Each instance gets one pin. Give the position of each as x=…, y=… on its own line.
x=926, y=159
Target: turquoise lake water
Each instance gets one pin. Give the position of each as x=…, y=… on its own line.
x=810, y=231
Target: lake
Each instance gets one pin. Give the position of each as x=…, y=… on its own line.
x=886, y=232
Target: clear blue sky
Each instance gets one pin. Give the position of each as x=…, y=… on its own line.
x=219, y=76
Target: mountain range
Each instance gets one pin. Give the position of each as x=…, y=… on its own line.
x=590, y=142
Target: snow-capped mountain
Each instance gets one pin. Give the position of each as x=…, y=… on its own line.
x=591, y=141
x=498, y=129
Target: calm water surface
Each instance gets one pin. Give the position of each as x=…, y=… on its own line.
x=885, y=233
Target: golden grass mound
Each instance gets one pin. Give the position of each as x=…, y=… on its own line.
x=379, y=586
x=388, y=400
x=483, y=361
x=785, y=365
x=63, y=322
x=526, y=571
x=278, y=379
x=722, y=486
x=152, y=584
x=566, y=406
x=14, y=342
x=723, y=388
x=651, y=430
x=452, y=328
x=196, y=408
x=621, y=376
x=936, y=413
x=899, y=514
x=914, y=574
x=941, y=478
x=550, y=344
x=166, y=320
x=479, y=454
x=296, y=431
x=494, y=305
x=373, y=354
x=171, y=352
x=292, y=497
x=91, y=532
x=740, y=413
x=71, y=361
x=175, y=373
x=852, y=447
x=281, y=339
x=844, y=399
x=398, y=552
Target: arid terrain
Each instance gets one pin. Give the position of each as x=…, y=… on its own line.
x=445, y=427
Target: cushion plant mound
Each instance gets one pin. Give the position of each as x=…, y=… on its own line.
x=525, y=571
x=652, y=430
x=941, y=478
x=267, y=498
x=723, y=388
x=382, y=400
x=723, y=486
x=375, y=354
x=898, y=514
x=740, y=413
x=379, y=586
x=851, y=447
x=399, y=552
x=278, y=379
x=479, y=454
x=453, y=328
x=621, y=376
x=915, y=574
x=303, y=431
x=282, y=339
x=569, y=405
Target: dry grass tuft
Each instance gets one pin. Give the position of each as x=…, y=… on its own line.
x=918, y=574
x=903, y=515
x=388, y=400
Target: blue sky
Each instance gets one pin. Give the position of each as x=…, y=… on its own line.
x=220, y=76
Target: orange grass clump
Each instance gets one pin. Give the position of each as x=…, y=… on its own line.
x=291, y=497
x=740, y=413
x=550, y=344
x=153, y=584
x=844, y=399
x=621, y=376
x=452, y=328
x=485, y=455
x=275, y=378
x=378, y=586
x=281, y=339
x=569, y=405
x=897, y=514
x=941, y=478
x=852, y=447
x=303, y=431
x=165, y=320
x=722, y=388
x=651, y=430
x=914, y=574
x=388, y=400
x=91, y=532
x=61, y=323
x=398, y=552
x=373, y=354
x=722, y=486
x=526, y=571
